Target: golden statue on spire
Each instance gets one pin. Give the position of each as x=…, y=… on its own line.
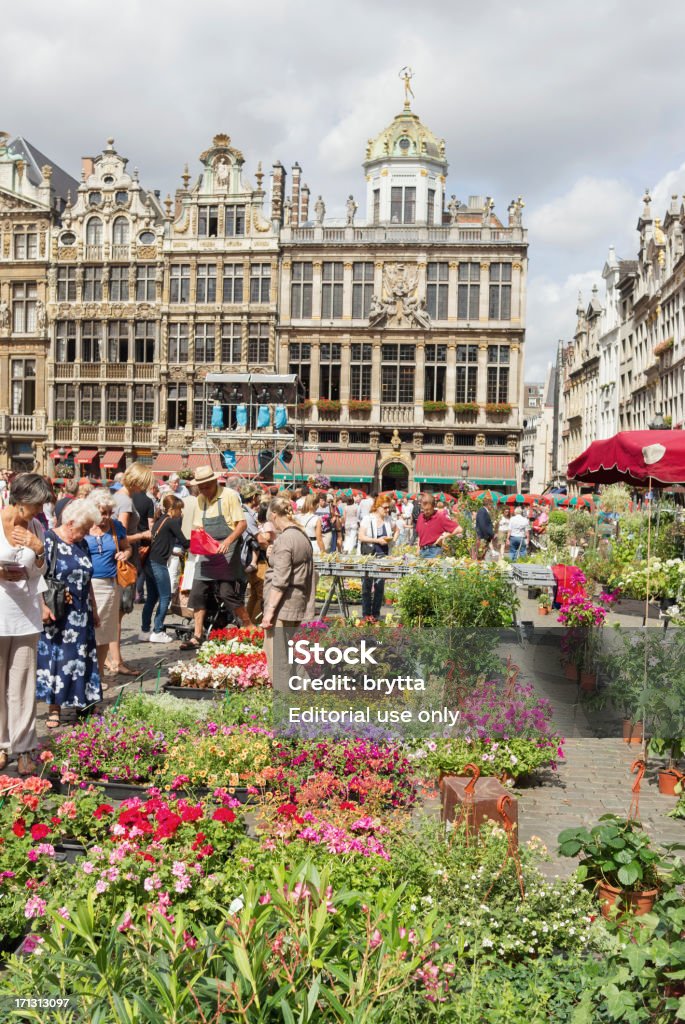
x=406, y=74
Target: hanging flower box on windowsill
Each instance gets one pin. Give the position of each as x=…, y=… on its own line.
x=329, y=408
x=467, y=410
x=359, y=407
x=663, y=347
x=435, y=409
x=498, y=408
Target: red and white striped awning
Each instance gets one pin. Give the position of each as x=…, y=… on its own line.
x=56, y=457
x=112, y=459
x=338, y=466
x=86, y=456
x=487, y=470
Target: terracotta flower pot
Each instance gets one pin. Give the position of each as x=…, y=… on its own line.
x=668, y=779
x=632, y=731
x=636, y=903
x=542, y=610
x=571, y=671
x=588, y=681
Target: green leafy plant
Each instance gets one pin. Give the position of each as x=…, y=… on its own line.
x=466, y=408
x=434, y=407
x=498, y=408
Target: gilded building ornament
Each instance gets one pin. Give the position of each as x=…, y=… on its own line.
x=485, y=266
x=398, y=304
x=146, y=252
x=67, y=252
x=516, y=266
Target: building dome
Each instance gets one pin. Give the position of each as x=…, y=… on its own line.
x=406, y=137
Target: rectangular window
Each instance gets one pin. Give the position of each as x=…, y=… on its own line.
x=118, y=284
x=90, y=403
x=431, y=205
x=260, y=282
x=403, y=204
x=498, y=374
x=468, y=291
x=178, y=342
x=233, y=282
x=329, y=371
x=65, y=341
x=376, y=205
x=177, y=406
x=143, y=403
x=92, y=284
x=204, y=343
x=397, y=374
x=117, y=342
x=24, y=298
x=258, y=343
x=202, y=408
x=146, y=289
x=65, y=403
x=360, y=372
x=66, y=284
x=117, y=403
x=435, y=374
x=231, y=342
x=437, y=290
x=144, y=349
x=205, y=289
x=331, y=291
x=362, y=290
x=467, y=373
x=91, y=341
x=299, y=356
x=23, y=387
x=301, y=291
x=234, y=221
x=208, y=221
x=25, y=244
x=179, y=283
x=500, y=291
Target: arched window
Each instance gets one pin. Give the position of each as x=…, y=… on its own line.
x=94, y=231
x=120, y=231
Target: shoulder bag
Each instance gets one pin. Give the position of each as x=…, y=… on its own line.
x=55, y=594
x=366, y=547
x=127, y=576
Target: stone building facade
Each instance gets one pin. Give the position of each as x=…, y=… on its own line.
x=625, y=369
x=33, y=190
x=405, y=323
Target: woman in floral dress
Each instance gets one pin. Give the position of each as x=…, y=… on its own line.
x=68, y=673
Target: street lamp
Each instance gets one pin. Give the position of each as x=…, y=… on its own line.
x=465, y=470
x=318, y=461
x=658, y=423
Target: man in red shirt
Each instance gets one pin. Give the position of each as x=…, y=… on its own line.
x=431, y=527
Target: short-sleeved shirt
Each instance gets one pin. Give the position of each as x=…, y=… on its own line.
x=219, y=516
x=123, y=503
x=518, y=526
x=428, y=530
x=103, y=552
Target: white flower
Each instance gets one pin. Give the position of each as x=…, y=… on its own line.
x=236, y=906
x=487, y=943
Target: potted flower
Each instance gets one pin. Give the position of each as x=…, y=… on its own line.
x=544, y=604
x=666, y=709
x=583, y=620
x=466, y=410
x=669, y=777
x=619, y=862
x=498, y=408
x=329, y=408
x=628, y=661
x=359, y=407
x=435, y=409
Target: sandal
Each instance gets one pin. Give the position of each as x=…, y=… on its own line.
x=124, y=670
x=54, y=720
x=192, y=644
x=26, y=765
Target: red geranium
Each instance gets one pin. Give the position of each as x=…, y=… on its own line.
x=39, y=831
x=19, y=828
x=223, y=814
x=102, y=809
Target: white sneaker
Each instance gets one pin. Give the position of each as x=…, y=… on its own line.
x=144, y=636
x=160, y=638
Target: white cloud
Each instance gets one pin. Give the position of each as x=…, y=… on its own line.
x=593, y=210
x=551, y=315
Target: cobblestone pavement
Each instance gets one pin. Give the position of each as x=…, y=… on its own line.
x=593, y=779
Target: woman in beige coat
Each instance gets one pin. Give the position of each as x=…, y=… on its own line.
x=289, y=588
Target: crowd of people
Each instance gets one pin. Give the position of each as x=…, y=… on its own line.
x=73, y=565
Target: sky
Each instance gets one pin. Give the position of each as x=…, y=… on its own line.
x=576, y=107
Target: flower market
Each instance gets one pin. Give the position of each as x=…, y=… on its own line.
x=452, y=791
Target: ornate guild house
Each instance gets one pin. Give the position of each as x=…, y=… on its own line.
x=404, y=323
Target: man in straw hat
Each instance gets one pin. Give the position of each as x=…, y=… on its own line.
x=219, y=513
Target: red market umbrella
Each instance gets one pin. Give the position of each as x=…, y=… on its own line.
x=637, y=457
x=494, y=496
x=583, y=501
x=519, y=499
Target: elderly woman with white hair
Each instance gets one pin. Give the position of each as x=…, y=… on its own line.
x=108, y=544
x=68, y=674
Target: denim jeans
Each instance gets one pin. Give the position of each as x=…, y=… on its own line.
x=430, y=551
x=373, y=592
x=158, y=589
x=517, y=548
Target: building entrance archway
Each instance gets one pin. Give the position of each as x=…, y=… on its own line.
x=395, y=477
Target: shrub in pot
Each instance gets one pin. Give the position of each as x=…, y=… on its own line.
x=619, y=862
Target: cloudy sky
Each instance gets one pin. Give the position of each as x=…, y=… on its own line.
x=577, y=107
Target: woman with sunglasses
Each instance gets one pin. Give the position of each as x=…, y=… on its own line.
x=376, y=534
x=108, y=544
